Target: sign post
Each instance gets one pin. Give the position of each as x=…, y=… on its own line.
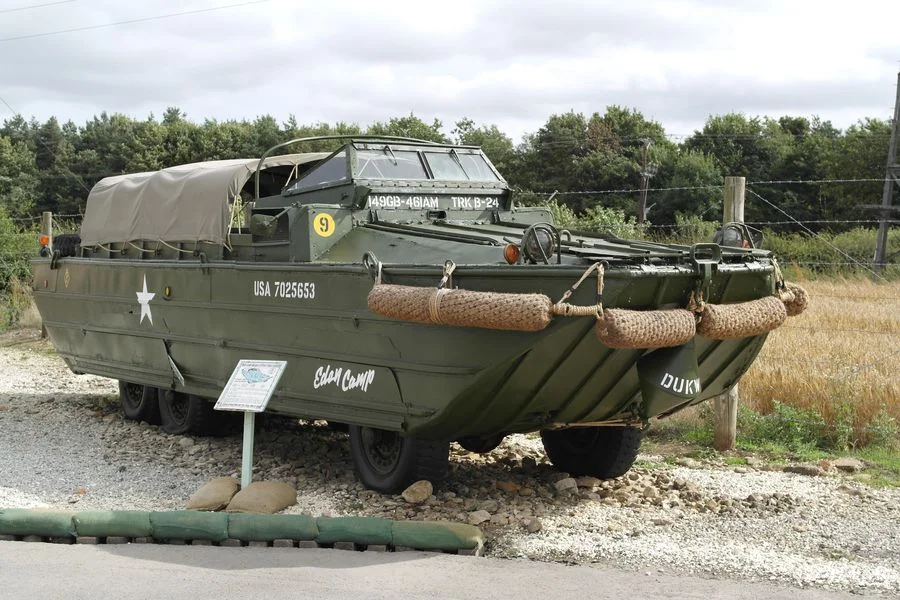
x=249, y=390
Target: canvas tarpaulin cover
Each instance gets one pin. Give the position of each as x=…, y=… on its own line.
x=186, y=203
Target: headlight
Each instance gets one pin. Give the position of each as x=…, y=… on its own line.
x=538, y=243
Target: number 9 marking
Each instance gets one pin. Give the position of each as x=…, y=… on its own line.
x=323, y=224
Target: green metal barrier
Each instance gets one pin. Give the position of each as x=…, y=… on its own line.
x=217, y=527
x=267, y=528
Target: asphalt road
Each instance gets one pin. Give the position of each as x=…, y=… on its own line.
x=127, y=572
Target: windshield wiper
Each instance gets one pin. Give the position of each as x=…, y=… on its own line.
x=459, y=162
x=387, y=150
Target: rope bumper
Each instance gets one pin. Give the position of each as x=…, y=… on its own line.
x=616, y=327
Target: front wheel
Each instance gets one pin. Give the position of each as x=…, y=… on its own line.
x=603, y=452
x=388, y=461
x=139, y=402
x=186, y=413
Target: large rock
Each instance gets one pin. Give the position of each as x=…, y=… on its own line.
x=566, y=485
x=848, y=464
x=808, y=470
x=533, y=525
x=508, y=486
x=477, y=517
x=591, y=483
x=418, y=492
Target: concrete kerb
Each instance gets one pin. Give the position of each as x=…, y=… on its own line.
x=238, y=529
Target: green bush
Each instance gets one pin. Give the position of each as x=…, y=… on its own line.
x=799, y=429
x=597, y=219
x=883, y=430
x=17, y=246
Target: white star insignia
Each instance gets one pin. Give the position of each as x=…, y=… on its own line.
x=144, y=297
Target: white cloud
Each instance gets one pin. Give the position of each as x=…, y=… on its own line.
x=507, y=62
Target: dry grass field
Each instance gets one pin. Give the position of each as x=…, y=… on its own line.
x=840, y=360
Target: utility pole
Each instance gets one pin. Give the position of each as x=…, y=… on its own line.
x=647, y=171
x=892, y=175
x=725, y=405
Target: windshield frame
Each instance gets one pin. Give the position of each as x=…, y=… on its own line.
x=291, y=188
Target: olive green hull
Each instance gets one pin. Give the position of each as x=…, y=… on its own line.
x=347, y=365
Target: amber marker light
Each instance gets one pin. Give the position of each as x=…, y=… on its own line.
x=511, y=253
x=44, y=239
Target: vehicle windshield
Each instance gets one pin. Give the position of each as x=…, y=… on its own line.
x=455, y=166
x=333, y=169
x=386, y=163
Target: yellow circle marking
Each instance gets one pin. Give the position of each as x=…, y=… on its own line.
x=323, y=224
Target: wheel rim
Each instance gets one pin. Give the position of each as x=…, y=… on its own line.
x=381, y=449
x=178, y=407
x=133, y=396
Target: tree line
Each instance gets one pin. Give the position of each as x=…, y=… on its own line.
x=52, y=166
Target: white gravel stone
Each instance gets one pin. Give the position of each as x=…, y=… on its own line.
x=63, y=439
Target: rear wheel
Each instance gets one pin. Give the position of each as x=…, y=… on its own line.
x=186, y=413
x=481, y=444
x=388, y=461
x=139, y=402
x=603, y=452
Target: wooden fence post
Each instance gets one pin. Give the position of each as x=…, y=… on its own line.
x=725, y=405
x=46, y=229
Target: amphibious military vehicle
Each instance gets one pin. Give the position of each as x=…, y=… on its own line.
x=412, y=299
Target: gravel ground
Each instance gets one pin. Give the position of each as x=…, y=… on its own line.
x=64, y=444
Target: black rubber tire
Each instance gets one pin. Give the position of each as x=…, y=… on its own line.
x=403, y=459
x=67, y=244
x=139, y=402
x=481, y=444
x=186, y=413
x=603, y=452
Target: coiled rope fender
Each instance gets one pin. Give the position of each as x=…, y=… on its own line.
x=741, y=319
x=795, y=298
x=752, y=318
x=622, y=328
x=466, y=308
x=461, y=308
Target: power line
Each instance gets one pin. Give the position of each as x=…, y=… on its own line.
x=9, y=10
x=131, y=21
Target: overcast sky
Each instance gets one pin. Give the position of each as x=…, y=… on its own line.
x=511, y=63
